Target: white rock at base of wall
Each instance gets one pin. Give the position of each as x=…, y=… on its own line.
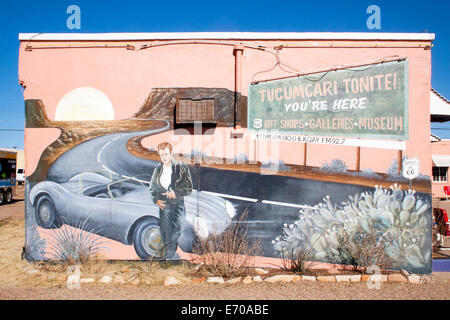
x=414, y=279
x=378, y=278
x=215, y=280
x=73, y=280
x=342, y=278
x=355, y=278
x=119, y=279
x=87, y=280
x=172, y=281
x=34, y=271
x=105, y=279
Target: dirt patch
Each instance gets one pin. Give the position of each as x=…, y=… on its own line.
x=302, y=290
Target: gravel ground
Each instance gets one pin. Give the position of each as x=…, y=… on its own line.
x=303, y=290
x=13, y=287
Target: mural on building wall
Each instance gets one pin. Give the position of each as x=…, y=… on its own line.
x=98, y=177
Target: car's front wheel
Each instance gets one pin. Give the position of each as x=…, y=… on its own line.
x=147, y=239
x=45, y=213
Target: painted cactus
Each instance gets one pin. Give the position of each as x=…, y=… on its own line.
x=396, y=215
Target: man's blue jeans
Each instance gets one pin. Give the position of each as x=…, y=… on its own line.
x=170, y=221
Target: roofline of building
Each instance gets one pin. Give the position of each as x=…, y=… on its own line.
x=226, y=36
x=436, y=137
x=7, y=150
x=440, y=95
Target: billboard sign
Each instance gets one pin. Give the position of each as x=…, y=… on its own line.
x=362, y=102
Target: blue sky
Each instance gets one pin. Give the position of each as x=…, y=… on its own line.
x=190, y=16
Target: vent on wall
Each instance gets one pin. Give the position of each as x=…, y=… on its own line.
x=190, y=110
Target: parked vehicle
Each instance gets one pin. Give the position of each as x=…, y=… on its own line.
x=124, y=211
x=8, y=161
x=20, y=177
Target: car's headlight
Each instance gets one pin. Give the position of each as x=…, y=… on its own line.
x=230, y=208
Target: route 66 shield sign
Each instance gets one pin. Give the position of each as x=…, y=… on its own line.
x=257, y=123
x=411, y=168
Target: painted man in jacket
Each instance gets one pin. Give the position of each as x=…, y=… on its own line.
x=171, y=182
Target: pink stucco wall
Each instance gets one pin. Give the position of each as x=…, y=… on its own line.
x=440, y=148
x=127, y=76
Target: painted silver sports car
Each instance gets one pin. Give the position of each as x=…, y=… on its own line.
x=123, y=210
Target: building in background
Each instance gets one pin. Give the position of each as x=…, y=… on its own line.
x=20, y=166
x=440, y=148
x=8, y=169
x=20, y=157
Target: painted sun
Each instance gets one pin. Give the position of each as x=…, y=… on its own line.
x=85, y=103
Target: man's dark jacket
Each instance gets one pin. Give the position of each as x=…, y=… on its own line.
x=180, y=182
